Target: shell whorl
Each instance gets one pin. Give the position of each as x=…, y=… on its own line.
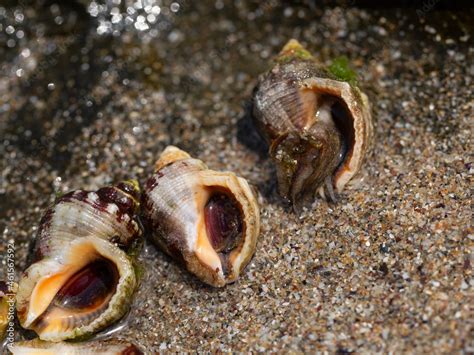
x=107, y=213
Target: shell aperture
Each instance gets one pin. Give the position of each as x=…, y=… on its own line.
x=89, y=287
x=223, y=222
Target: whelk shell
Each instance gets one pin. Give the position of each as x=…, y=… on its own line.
x=104, y=347
x=208, y=220
x=83, y=275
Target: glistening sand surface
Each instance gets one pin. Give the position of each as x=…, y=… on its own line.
x=386, y=268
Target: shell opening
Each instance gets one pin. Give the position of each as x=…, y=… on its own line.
x=336, y=109
x=223, y=220
x=89, y=287
x=307, y=160
x=224, y=225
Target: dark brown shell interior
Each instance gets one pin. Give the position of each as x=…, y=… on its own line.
x=224, y=222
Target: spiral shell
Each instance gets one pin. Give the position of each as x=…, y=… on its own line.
x=208, y=220
x=104, y=347
x=83, y=277
x=317, y=123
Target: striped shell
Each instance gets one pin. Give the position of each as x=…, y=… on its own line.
x=318, y=126
x=6, y=301
x=82, y=278
x=208, y=220
x=105, y=347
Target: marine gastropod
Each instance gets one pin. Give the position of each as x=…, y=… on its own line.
x=316, y=121
x=103, y=347
x=207, y=219
x=83, y=275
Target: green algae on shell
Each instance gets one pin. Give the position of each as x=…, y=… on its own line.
x=341, y=69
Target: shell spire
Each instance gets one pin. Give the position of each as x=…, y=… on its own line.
x=170, y=155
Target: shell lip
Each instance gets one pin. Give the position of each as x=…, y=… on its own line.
x=234, y=260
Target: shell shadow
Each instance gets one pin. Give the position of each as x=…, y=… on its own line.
x=247, y=132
